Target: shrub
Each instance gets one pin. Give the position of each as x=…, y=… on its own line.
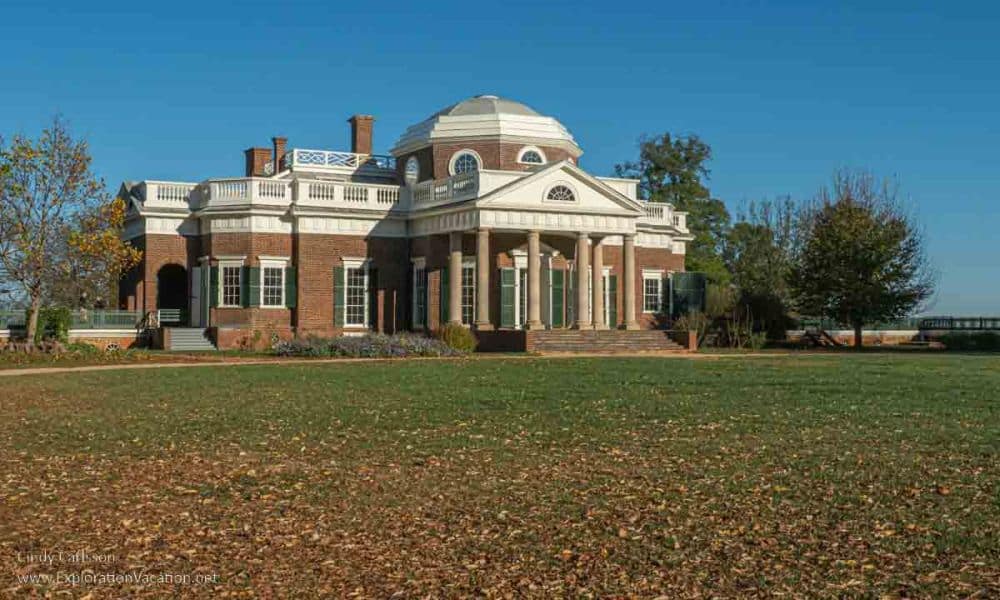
x=83, y=349
x=457, y=337
x=366, y=346
x=694, y=321
x=983, y=341
x=53, y=323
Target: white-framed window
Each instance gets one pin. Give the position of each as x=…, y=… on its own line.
x=230, y=284
x=272, y=283
x=464, y=161
x=530, y=155
x=652, y=291
x=560, y=192
x=468, y=292
x=419, y=293
x=355, y=293
x=412, y=170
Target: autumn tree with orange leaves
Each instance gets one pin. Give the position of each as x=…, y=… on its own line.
x=58, y=228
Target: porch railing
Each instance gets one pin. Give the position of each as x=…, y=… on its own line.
x=171, y=316
x=80, y=319
x=333, y=160
x=960, y=323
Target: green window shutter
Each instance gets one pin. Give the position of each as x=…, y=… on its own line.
x=290, y=287
x=668, y=304
x=373, y=305
x=443, y=297
x=425, y=298
x=252, y=298
x=570, y=298
x=558, y=304
x=245, y=287
x=613, y=301
x=213, y=291
x=339, y=295
x=507, y=290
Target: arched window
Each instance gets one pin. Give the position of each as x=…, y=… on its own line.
x=561, y=193
x=412, y=171
x=464, y=161
x=531, y=156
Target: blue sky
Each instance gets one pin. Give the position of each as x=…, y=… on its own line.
x=785, y=92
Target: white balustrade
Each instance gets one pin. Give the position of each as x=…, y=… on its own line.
x=663, y=214
x=348, y=195
x=356, y=194
x=443, y=191
x=274, y=190
x=161, y=193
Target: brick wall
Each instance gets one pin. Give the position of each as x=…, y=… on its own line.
x=138, y=288
x=495, y=155
x=251, y=245
x=316, y=256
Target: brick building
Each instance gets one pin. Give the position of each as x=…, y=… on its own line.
x=481, y=215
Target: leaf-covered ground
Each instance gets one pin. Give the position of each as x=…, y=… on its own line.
x=874, y=475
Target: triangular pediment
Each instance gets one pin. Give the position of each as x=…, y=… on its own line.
x=589, y=194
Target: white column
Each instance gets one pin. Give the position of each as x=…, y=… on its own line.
x=483, y=280
x=629, y=283
x=534, y=281
x=597, y=276
x=582, y=273
x=455, y=279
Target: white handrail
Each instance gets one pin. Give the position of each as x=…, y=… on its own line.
x=304, y=158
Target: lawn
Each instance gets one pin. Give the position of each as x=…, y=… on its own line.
x=684, y=477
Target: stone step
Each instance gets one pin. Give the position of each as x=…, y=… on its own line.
x=602, y=341
x=189, y=339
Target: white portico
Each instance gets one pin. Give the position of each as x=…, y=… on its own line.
x=559, y=200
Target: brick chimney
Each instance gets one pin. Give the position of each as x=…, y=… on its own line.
x=279, y=143
x=361, y=133
x=256, y=159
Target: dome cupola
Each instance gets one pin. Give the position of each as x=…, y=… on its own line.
x=487, y=118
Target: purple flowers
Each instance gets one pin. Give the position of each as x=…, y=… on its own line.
x=366, y=346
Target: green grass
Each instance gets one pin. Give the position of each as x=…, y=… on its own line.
x=811, y=475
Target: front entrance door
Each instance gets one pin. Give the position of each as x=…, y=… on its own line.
x=521, y=296
x=195, y=304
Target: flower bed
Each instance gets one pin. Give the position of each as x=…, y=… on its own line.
x=367, y=346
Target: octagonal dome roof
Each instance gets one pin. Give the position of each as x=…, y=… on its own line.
x=485, y=117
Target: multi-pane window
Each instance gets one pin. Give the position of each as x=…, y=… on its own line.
x=419, y=296
x=272, y=286
x=465, y=163
x=532, y=157
x=652, y=294
x=468, y=293
x=412, y=171
x=561, y=193
x=231, y=285
x=356, y=298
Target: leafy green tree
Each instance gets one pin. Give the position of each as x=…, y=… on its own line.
x=674, y=169
x=863, y=258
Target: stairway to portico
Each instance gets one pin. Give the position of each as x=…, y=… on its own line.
x=610, y=341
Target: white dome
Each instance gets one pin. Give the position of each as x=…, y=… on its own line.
x=487, y=116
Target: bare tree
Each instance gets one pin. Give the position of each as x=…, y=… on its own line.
x=45, y=186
